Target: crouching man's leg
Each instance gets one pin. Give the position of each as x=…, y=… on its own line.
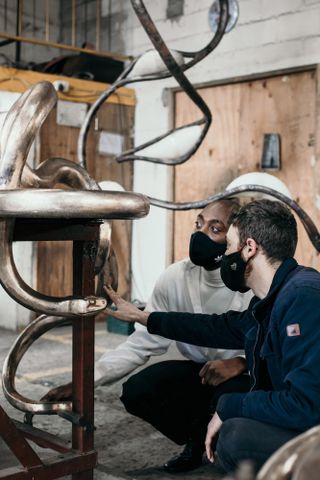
x=169, y=395
x=245, y=439
x=163, y=395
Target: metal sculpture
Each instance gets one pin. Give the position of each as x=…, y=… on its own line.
x=285, y=461
x=172, y=64
x=308, y=224
x=297, y=459
x=87, y=201
x=29, y=335
x=14, y=173
x=27, y=115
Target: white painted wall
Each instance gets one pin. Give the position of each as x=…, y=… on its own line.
x=270, y=35
x=12, y=315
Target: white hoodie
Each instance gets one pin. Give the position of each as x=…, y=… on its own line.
x=182, y=287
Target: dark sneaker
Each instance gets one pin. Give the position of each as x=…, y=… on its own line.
x=189, y=459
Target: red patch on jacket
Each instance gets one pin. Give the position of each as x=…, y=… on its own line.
x=293, y=330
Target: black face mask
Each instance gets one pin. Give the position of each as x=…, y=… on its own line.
x=205, y=252
x=232, y=271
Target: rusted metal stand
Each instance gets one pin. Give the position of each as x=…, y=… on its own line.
x=80, y=460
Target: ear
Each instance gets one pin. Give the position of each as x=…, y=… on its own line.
x=250, y=249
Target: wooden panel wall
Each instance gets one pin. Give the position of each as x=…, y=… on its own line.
x=116, y=119
x=54, y=264
x=242, y=114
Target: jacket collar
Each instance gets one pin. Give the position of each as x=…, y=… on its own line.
x=286, y=267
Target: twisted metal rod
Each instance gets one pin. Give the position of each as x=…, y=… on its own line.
x=29, y=335
x=307, y=222
x=172, y=69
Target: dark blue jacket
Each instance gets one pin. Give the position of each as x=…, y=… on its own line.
x=280, y=333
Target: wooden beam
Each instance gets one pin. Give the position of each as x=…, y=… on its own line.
x=69, y=464
x=62, y=46
x=84, y=91
x=16, y=442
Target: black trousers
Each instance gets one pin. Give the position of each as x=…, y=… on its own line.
x=245, y=439
x=169, y=395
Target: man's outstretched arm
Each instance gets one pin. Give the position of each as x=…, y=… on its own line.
x=215, y=331
x=125, y=310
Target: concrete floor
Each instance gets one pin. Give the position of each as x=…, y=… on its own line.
x=128, y=448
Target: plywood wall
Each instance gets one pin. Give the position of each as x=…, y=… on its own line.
x=242, y=113
x=54, y=259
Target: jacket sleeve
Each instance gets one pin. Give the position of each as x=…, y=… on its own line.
x=138, y=347
x=297, y=404
x=215, y=331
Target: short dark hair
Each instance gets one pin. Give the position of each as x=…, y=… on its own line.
x=271, y=224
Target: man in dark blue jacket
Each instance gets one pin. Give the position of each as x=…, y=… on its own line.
x=280, y=332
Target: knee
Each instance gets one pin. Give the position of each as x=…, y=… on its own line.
x=134, y=394
x=229, y=443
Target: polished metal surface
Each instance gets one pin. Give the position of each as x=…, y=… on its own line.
x=56, y=171
x=20, y=127
x=33, y=331
x=46, y=203
x=30, y=193
x=21, y=124
x=297, y=459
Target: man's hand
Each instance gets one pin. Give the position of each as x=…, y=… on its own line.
x=125, y=310
x=212, y=436
x=216, y=372
x=64, y=392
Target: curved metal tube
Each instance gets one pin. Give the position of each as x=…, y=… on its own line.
x=54, y=171
x=196, y=56
x=20, y=127
x=174, y=70
x=22, y=122
x=108, y=274
x=58, y=170
x=306, y=221
x=84, y=130
x=27, y=115
x=289, y=461
x=49, y=204
x=31, y=333
x=54, y=203
x=26, y=296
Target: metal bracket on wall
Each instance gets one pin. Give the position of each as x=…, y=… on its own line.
x=271, y=153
